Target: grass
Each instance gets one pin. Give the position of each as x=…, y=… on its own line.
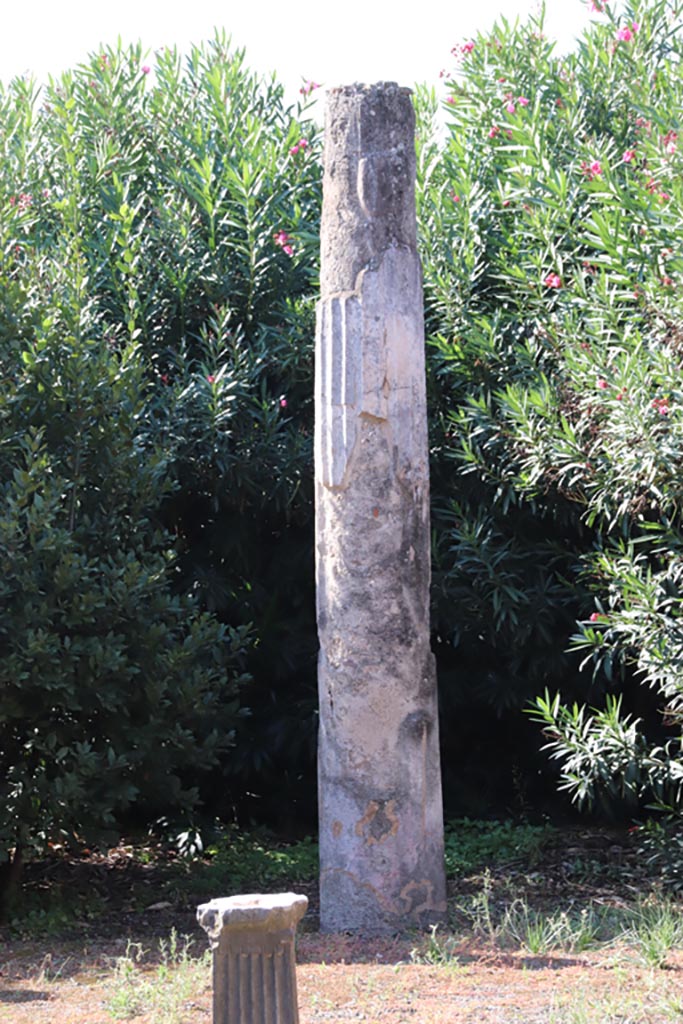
x=642, y=1003
x=439, y=950
x=655, y=930
x=560, y=931
x=164, y=992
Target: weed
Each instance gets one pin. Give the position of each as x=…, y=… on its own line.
x=479, y=911
x=127, y=999
x=540, y=934
x=439, y=952
x=49, y=971
x=162, y=993
x=673, y=1008
x=655, y=930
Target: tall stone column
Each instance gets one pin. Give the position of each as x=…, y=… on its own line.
x=381, y=819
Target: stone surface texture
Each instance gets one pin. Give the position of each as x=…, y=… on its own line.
x=252, y=937
x=381, y=819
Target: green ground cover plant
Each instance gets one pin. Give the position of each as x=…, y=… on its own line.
x=474, y=845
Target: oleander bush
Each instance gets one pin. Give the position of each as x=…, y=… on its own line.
x=156, y=295
x=552, y=221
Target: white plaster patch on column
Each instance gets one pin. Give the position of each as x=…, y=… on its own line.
x=338, y=377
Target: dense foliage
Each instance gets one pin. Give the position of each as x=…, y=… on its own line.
x=158, y=273
x=553, y=221
x=154, y=438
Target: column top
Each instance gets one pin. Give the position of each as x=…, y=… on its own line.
x=269, y=912
x=370, y=87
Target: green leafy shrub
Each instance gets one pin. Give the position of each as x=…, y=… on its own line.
x=552, y=222
x=155, y=311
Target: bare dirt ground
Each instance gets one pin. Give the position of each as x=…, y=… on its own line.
x=88, y=973
x=75, y=987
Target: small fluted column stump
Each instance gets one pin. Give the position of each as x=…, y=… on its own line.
x=252, y=937
x=380, y=812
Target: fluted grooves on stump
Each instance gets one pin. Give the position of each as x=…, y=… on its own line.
x=255, y=988
x=254, y=976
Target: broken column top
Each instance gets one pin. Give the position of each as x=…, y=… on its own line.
x=369, y=165
x=273, y=912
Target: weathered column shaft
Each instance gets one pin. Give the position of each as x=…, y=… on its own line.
x=254, y=977
x=381, y=824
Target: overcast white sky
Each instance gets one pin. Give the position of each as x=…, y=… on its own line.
x=334, y=43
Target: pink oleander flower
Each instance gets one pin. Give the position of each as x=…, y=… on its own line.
x=211, y=379
x=493, y=131
x=602, y=383
x=670, y=141
x=624, y=35
x=591, y=170
x=293, y=150
x=283, y=402
x=523, y=101
x=308, y=87
x=462, y=50
x=597, y=617
x=145, y=69
x=629, y=156
x=450, y=99
x=510, y=107
x=283, y=240
x=455, y=197
x=635, y=26
x=552, y=281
